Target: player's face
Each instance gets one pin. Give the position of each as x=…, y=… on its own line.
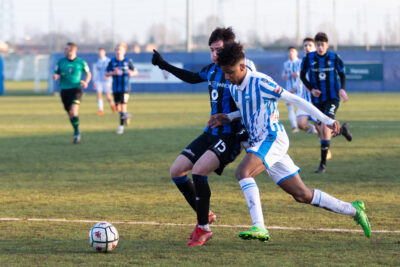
x=292, y=53
x=236, y=73
x=69, y=51
x=322, y=48
x=308, y=47
x=120, y=51
x=214, y=48
x=102, y=53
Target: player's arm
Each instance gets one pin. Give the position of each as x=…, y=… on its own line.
x=284, y=72
x=132, y=70
x=310, y=109
x=110, y=71
x=342, y=76
x=88, y=77
x=219, y=119
x=184, y=75
x=57, y=72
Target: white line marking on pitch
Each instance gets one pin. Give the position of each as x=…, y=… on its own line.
x=214, y=225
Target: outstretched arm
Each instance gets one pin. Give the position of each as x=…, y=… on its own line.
x=184, y=75
x=310, y=109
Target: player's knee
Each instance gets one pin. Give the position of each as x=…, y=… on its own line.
x=241, y=173
x=176, y=171
x=303, y=196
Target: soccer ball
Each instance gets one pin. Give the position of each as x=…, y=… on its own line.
x=103, y=237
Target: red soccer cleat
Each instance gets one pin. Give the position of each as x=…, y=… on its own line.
x=200, y=237
x=211, y=218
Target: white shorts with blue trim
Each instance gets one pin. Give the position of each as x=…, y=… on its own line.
x=273, y=152
x=103, y=87
x=301, y=113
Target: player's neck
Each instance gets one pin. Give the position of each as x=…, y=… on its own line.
x=242, y=78
x=71, y=58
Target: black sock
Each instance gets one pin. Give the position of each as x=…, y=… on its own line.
x=186, y=186
x=203, y=194
x=324, y=150
x=121, y=118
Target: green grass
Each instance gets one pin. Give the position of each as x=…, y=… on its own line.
x=126, y=178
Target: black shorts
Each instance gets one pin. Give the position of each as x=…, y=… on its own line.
x=121, y=97
x=71, y=96
x=329, y=107
x=226, y=147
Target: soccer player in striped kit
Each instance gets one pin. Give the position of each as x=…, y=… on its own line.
x=101, y=83
x=290, y=74
x=256, y=96
x=214, y=148
x=121, y=69
x=323, y=67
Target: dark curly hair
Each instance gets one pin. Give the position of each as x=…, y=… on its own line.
x=231, y=54
x=224, y=34
x=321, y=37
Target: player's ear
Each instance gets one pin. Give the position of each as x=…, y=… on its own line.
x=242, y=66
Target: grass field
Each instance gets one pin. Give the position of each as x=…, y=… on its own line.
x=126, y=179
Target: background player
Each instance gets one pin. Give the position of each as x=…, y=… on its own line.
x=121, y=69
x=214, y=148
x=290, y=74
x=323, y=67
x=269, y=142
x=102, y=83
x=70, y=70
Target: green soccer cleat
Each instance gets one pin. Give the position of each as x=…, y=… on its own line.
x=361, y=217
x=255, y=232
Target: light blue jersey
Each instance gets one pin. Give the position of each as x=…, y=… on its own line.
x=289, y=68
x=257, y=99
x=99, y=70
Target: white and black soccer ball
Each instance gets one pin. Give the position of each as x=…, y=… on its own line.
x=103, y=237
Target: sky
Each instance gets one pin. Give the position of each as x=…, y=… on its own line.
x=361, y=21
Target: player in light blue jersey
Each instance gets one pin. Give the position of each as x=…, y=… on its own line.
x=303, y=92
x=291, y=73
x=102, y=83
x=256, y=96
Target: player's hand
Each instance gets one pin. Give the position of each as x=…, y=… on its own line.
x=285, y=77
x=335, y=128
x=293, y=90
x=295, y=75
x=94, y=86
x=343, y=95
x=315, y=92
x=218, y=120
x=84, y=84
x=157, y=60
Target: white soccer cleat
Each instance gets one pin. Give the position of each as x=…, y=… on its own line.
x=120, y=129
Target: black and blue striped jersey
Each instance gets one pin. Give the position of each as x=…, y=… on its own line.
x=220, y=98
x=323, y=72
x=120, y=82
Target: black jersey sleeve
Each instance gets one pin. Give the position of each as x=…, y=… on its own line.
x=340, y=69
x=184, y=75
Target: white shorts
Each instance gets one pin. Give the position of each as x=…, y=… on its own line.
x=103, y=87
x=273, y=152
x=301, y=113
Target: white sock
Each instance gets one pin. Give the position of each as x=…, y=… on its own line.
x=205, y=227
x=252, y=195
x=292, y=116
x=100, y=104
x=324, y=200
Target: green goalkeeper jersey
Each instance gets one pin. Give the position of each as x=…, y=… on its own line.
x=70, y=72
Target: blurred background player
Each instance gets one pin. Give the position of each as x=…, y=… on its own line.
x=256, y=95
x=323, y=67
x=290, y=74
x=102, y=83
x=70, y=71
x=121, y=69
x=214, y=148
x=303, y=92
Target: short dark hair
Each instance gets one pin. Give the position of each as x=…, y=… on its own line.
x=308, y=39
x=72, y=44
x=102, y=48
x=224, y=34
x=321, y=37
x=292, y=47
x=231, y=54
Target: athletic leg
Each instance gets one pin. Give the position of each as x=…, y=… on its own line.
x=292, y=118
